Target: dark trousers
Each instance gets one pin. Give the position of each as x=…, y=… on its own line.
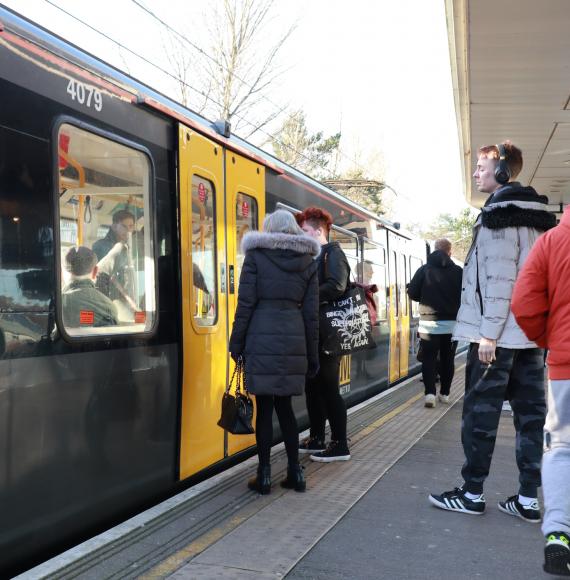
x=264, y=427
x=436, y=346
x=324, y=400
x=518, y=376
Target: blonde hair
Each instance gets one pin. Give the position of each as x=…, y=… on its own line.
x=281, y=222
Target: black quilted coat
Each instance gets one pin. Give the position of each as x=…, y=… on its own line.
x=277, y=319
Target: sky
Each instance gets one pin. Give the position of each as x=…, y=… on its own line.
x=376, y=70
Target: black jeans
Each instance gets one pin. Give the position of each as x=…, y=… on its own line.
x=324, y=400
x=264, y=427
x=434, y=346
x=516, y=375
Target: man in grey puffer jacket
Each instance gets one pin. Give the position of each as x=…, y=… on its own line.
x=502, y=363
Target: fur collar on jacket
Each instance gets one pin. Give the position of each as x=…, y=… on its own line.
x=517, y=214
x=516, y=206
x=301, y=244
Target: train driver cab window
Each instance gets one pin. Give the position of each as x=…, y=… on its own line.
x=246, y=221
x=106, y=254
x=204, y=261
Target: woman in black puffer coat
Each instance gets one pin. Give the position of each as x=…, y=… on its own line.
x=276, y=329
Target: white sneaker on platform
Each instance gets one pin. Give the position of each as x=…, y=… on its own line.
x=430, y=401
x=444, y=399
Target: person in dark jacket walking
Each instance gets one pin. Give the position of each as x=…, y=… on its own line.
x=437, y=287
x=276, y=330
x=322, y=391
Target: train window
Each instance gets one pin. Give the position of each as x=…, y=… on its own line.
x=204, y=262
x=246, y=221
x=107, y=278
x=415, y=264
x=402, y=281
x=394, y=285
x=349, y=244
x=373, y=271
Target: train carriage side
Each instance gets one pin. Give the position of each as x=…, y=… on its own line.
x=88, y=415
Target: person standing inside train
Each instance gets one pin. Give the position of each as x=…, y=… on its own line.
x=502, y=363
x=322, y=393
x=437, y=287
x=276, y=330
x=541, y=305
x=114, y=258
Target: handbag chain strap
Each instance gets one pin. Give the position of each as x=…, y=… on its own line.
x=239, y=370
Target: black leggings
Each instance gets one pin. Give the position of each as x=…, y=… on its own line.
x=324, y=400
x=264, y=427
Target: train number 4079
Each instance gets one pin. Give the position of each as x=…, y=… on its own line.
x=85, y=95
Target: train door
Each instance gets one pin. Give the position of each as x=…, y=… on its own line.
x=399, y=308
x=204, y=299
x=394, y=305
x=245, y=208
x=404, y=313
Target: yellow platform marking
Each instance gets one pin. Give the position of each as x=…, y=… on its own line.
x=385, y=418
x=190, y=551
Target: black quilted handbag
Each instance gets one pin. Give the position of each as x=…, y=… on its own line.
x=237, y=410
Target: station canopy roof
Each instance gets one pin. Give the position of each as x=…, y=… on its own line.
x=510, y=62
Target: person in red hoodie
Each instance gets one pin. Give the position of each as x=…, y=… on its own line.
x=541, y=305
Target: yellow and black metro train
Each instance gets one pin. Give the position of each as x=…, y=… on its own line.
x=98, y=422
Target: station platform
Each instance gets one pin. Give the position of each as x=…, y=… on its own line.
x=365, y=518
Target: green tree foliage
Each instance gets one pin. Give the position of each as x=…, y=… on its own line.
x=458, y=229
x=310, y=153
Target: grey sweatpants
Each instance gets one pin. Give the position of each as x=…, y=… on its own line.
x=556, y=459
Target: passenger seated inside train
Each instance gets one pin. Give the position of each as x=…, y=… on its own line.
x=116, y=277
x=82, y=304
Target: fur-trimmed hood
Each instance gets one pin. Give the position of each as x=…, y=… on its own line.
x=515, y=206
x=301, y=244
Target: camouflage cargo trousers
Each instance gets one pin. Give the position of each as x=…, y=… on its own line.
x=517, y=375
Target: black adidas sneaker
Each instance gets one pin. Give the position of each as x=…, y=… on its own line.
x=456, y=501
x=530, y=513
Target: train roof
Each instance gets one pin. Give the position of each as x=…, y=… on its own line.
x=143, y=95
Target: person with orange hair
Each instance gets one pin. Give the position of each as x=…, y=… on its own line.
x=322, y=393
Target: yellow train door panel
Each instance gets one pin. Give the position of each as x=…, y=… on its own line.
x=404, y=315
x=204, y=300
x=394, y=305
x=245, y=209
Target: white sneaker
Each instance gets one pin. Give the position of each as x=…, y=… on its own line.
x=444, y=399
x=506, y=406
x=430, y=401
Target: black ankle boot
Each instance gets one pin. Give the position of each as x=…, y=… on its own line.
x=295, y=478
x=262, y=481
